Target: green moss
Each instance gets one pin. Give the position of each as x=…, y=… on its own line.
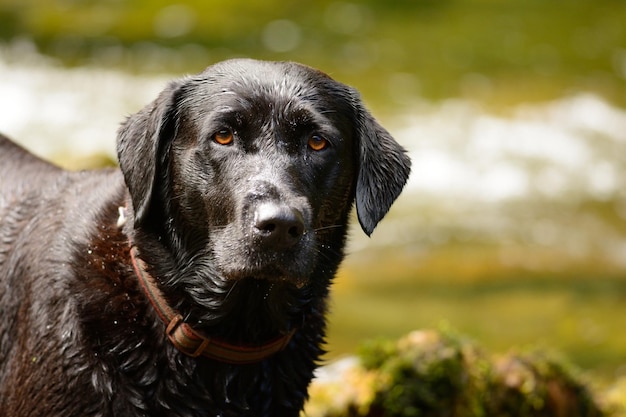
x=441, y=374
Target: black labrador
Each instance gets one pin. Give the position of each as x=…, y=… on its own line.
x=194, y=281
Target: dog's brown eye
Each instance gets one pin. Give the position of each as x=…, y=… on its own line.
x=223, y=137
x=317, y=143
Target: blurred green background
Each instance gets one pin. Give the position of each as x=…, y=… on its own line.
x=524, y=97
x=502, y=51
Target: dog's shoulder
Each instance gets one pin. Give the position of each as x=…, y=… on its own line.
x=20, y=169
x=42, y=204
x=13, y=155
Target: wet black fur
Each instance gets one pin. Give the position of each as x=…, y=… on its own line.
x=78, y=338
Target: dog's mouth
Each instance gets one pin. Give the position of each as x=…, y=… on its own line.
x=271, y=274
x=285, y=268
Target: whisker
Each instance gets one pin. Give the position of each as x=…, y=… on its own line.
x=230, y=290
x=335, y=226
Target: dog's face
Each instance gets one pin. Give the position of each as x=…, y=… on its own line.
x=253, y=166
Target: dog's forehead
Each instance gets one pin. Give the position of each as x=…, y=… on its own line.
x=264, y=72
x=275, y=81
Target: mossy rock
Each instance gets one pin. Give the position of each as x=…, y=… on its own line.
x=440, y=374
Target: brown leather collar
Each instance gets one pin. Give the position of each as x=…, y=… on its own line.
x=192, y=342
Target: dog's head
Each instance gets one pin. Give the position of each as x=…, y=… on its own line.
x=252, y=167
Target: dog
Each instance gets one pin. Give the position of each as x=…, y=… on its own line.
x=194, y=279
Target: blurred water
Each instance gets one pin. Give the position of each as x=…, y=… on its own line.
x=53, y=110
x=569, y=146
x=476, y=176
x=549, y=176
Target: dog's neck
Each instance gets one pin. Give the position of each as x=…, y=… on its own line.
x=193, y=343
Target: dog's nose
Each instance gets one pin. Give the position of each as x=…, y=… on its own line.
x=278, y=225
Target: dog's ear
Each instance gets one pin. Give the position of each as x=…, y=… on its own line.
x=384, y=168
x=143, y=144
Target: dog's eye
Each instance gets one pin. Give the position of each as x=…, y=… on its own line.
x=317, y=143
x=224, y=137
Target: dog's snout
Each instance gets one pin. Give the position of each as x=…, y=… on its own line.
x=279, y=226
